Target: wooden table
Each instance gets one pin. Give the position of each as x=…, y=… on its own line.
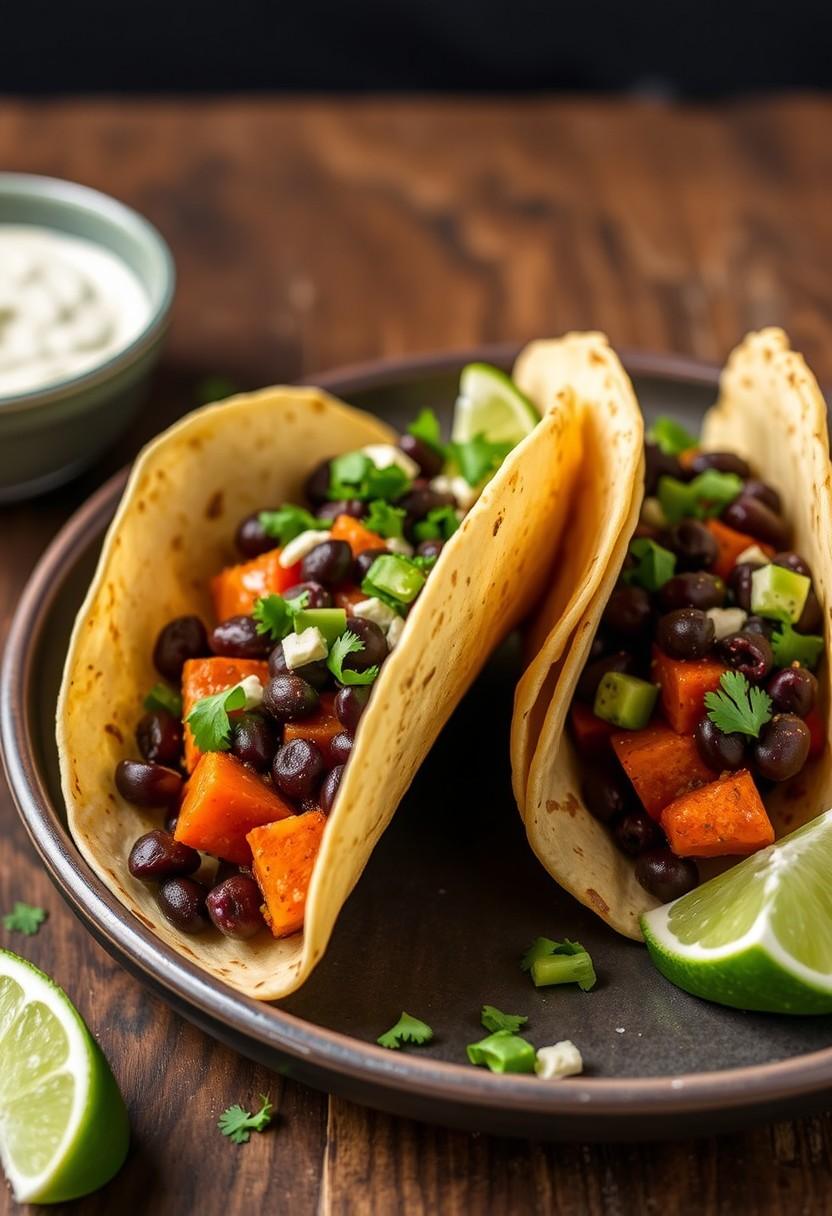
x=309, y=234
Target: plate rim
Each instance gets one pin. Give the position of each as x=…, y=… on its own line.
x=341, y=1057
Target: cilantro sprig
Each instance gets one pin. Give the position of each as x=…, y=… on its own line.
x=354, y=475
x=24, y=918
x=670, y=437
x=275, y=615
x=385, y=520
x=426, y=427
x=163, y=697
x=209, y=720
x=738, y=707
x=289, y=521
x=407, y=1030
x=238, y=1124
x=348, y=643
x=478, y=457
x=440, y=523
x=789, y=647
x=494, y=1019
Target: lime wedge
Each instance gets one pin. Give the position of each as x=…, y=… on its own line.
x=758, y=936
x=63, y=1125
x=491, y=404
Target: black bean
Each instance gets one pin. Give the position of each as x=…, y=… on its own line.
x=251, y=539
x=694, y=546
x=375, y=645
x=759, y=624
x=237, y=638
x=316, y=486
x=628, y=612
x=148, y=784
x=421, y=499
x=350, y=703
x=792, y=561
x=298, y=768
x=811, y=618
x=634, y=832
x=182, y=902
x=354, y=507
x=340, y=748
x=317, y=596
x=329, y=563
x=739, y=583
x=181, y=639
x=753, y=517
x=429, y=548
x=171, y=820
x=748, y=653
x=592, y=674
x=156, y=856
x=754, y=488
x=722, y=752
x=330, y=788
x=793, y=690
x=606, y=792
x=656, y=465
x=694, y=589
x=723, y=462
x=362, y=563
x=159, y=736
x=430, y=461
x=686, y=633
x=317, y=674
x=665, y=875
x=289, y=697
x=783, y=748
x=234, y=907
x=253, y=740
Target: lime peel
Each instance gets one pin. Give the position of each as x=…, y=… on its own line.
x=491, y=404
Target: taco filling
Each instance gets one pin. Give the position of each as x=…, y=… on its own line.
x=246, y=739
x=699, y=696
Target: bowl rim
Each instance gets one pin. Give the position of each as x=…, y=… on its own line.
x=76, y=196
x=338, y=1056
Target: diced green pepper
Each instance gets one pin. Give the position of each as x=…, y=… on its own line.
x=331, y=621
x=625, y=701
x=779, y=593
x=503, y=1052
x=655, y=565
x=564, y=969
x=705, y=496
x=395, y=576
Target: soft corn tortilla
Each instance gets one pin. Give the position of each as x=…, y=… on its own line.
x=771, y=411
x=174, y=530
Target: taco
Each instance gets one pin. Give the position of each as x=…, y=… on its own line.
x=687, y=721
x=208, y=722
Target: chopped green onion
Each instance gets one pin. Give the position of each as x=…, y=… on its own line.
x=656, y=565
x=395, y=577
x=503, y=1052
x=563, y=962
x=671, y=437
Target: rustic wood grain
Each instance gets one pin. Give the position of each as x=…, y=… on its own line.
x=314, y=233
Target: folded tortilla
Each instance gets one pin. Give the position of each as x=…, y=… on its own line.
x=174, y=530
x=771, y=411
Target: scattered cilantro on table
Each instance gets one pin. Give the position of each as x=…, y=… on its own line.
x=238, y=1124
x=24, y=918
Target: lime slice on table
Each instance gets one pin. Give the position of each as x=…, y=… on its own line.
x=491, y=404
x=63, y=1125
x=758, y=936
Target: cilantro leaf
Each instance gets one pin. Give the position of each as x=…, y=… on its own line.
x=440, y=523
x=655, y=565
x=275, y=615
x=789, y=647
x=348, y=643
x=289, y=521
x=493, y=1019
x=214, y=388
x=738, y=708
x=407, y=1030
x=24, y=918
x=426, y=427
x=387, y=521
x=389, y=483
x=209, y=719
x=238, y=1124
x=479, y=457
x=670, y=437
x=162, y=697
x=354, y=475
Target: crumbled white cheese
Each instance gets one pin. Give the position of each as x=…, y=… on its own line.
x=561, y=1060
x=441, y=484
x=375, y=610
x=727, y=621
x=385, y=454
x=652, y=513
x=395, y=631
x=396, y=544
x=302, y=648
x=297, y=549
x=464, y=494
x=753, y=554
x=253, y=689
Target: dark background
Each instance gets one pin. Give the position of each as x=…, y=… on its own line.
x=664, y=47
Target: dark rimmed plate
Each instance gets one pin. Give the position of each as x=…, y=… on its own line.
x=447, y=904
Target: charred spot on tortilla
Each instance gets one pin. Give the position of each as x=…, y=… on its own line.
x=214, y=506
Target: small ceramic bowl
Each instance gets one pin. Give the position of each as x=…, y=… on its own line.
x=50, y=434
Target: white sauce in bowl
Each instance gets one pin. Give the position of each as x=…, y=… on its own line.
x=66, y=305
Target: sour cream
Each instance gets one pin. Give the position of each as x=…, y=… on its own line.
x=66, y=305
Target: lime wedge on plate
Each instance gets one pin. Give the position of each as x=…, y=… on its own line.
x=758, y=936
x=63, y=1125
x=491, y=404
